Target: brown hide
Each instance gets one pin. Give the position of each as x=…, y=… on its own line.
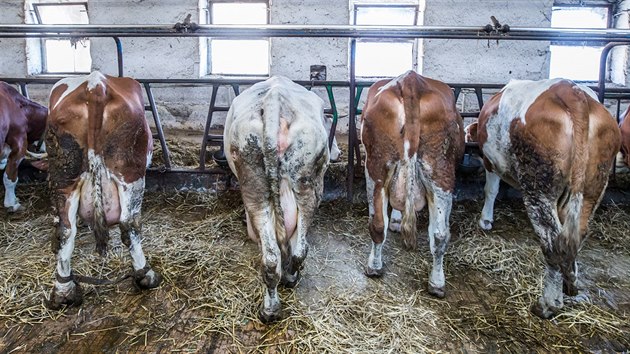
x=433, y=127
x=110, y=120
x=559, y=155
x=21, y=122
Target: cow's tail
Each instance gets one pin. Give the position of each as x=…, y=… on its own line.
x=411, y=102
x=97, y=98
x=570, y=238
x=408, y=223
x=271, y=111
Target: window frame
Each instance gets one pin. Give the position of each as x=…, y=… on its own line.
x=593, y=44
x=43, y=41
x=414, y=42
x=209, y=4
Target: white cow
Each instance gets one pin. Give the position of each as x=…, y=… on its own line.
x=276, y=144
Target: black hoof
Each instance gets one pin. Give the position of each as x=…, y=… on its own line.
x=267, y=318
x=58, y=301
x=544, y=313
x=290, y=282
x=374, y=273
x=150, y=280
x=436, y=291
x=569, y=289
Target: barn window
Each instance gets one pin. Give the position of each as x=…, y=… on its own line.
x=577, y=61
x=249, y=56
x=64, y=55
x=401, y=55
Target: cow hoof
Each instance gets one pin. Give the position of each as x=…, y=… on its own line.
x=581, y=298
x=394, y=226
x=436, y=291
x=72, y=297
x=290, y=281
x=374, y=273
x=150, y=280
x=17, y=208
x=269, y=317
x=543, y=311
x=485, y=224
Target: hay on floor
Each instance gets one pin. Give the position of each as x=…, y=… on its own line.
x=212, y=288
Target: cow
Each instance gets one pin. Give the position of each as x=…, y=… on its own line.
x=556, y=143
x=624, y=126
x=414, y=139
x=22, y=122
x=276, y=145
x=99, y=146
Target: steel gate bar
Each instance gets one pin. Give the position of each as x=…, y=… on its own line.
x=158, y=126
x=214, y=139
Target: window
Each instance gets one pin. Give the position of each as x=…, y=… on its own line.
x=238, y=56
x=402, y=55
x=64, y=55
x=577, y=61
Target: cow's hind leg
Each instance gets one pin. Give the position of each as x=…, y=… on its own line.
x=130, y=233
x=544, y=217
x=261, y=216
x=65, y=292
x=440, y=203
x=378, y=225
x=10, y=178
x=491, y=190
x=308, y=188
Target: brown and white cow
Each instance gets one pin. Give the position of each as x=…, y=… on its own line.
x=22, y=122
x=414, y=139
x=277, y=146
x=555, y=142
x=624, y=126
x=99, y=146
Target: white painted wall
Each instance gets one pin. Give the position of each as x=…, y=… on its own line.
x=186, y=107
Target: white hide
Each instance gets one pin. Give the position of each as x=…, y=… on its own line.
x=491, y=190
x=4, y=156
x=64, y=254
x=93, y=79
x=306, y=105
x=395, y=220
x=251, y=124
x=375, y=260
x=10, y=200
x=393, y=82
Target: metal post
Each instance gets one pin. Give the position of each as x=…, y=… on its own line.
x=119, y=56
x=158, y=126
x=335, y=114
x=351, y=120
x=206, y=131
x=603, y=60
x=24, y=89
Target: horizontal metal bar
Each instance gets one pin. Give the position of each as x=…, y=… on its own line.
x=202, y=82
x=343, y=31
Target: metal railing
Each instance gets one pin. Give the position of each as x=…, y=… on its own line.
x=610, y=37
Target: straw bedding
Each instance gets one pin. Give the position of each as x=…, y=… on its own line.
x=212, y=288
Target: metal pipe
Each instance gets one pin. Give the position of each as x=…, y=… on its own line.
x=343, y=31
x=603, y=60
x=351, y=121
x=158, y=126
x=206, y=131
x=119, y=56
